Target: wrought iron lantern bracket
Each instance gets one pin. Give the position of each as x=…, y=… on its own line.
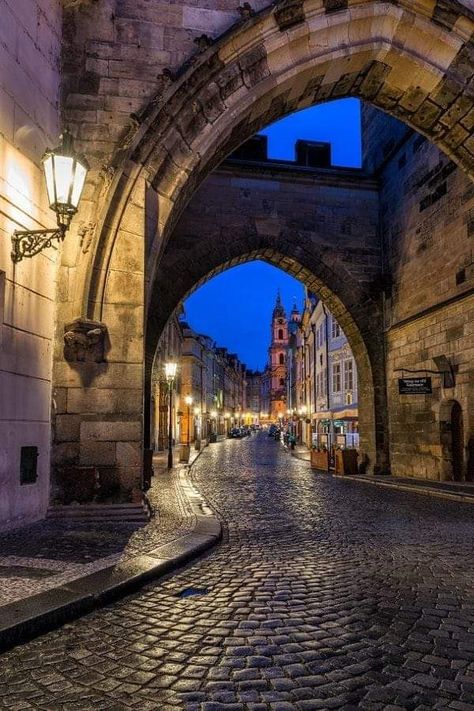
x=28, y=243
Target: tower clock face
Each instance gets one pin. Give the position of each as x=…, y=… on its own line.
x=280, y=321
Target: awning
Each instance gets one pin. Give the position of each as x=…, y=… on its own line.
x=348, y=414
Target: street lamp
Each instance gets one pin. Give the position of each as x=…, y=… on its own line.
x=189, y=401
x=170, y=373
x=65, y=172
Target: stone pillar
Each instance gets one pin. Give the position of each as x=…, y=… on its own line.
x=98, y=423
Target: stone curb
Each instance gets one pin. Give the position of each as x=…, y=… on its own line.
x=414, y=489
x=24, y=619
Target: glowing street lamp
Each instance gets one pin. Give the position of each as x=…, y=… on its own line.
x=65, y=172
x=170, y=373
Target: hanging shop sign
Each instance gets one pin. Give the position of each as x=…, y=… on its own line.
x=414, y=386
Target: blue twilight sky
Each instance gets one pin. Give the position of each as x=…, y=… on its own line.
x=235, y=307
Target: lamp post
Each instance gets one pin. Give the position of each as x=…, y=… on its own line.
x=302, y=413
x=65, y=172
x=189, y=401
x=170, y=373
x=197, y=428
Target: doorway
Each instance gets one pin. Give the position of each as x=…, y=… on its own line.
x=452, y=441
x=457, y=441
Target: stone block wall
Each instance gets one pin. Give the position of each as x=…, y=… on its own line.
x=30, y=32
x=427, y=225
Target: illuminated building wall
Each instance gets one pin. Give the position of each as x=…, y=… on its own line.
x=29, y=122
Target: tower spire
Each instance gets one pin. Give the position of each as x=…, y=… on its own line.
x=279, y=310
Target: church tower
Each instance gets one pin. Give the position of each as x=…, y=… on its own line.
x=278, y=360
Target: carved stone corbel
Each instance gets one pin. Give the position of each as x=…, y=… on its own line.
x=84, y=341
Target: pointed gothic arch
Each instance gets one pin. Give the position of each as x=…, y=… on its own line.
x=414, y=61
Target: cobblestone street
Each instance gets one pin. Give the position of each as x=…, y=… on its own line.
x=325, y=594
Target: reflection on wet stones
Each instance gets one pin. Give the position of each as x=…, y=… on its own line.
x=324, y=594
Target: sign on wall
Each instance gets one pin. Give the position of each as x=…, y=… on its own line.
x=414, y=386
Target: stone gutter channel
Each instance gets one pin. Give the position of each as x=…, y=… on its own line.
x=26, y=618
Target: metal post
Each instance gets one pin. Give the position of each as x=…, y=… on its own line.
x=170, y=426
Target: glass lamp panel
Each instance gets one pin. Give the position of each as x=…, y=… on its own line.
x=63, y=176
x=170, y=370
x=78, y=184
x=49, y=175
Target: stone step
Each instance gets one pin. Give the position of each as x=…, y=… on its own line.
x=119, y=513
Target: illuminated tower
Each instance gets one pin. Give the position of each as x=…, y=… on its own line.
x=278, y=360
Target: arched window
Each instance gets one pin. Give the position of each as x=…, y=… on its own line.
x=282, y=358
x=280, y=334
x=282, y=381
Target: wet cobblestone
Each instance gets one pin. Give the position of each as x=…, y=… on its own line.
x=325, y=594
x=50, y=553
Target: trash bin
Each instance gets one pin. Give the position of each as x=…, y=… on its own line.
x=212, y=438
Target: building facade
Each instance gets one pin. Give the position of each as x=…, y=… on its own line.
x=311, y=379
x=327, y=398
x=213, y=391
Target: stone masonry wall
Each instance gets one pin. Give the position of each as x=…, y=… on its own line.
x=427, y=223
x=30, y=32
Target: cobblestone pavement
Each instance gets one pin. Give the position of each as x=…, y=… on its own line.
x=44, y=555
x=325, y=594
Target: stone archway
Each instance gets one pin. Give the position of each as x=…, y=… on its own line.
x=363, y=333
x=413, y=63
x=226, y=223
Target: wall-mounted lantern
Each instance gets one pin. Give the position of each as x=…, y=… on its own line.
x=65, y=173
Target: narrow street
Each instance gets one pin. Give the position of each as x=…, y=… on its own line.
x=325, y=594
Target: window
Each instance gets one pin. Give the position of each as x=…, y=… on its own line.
x=321, y=384
x=28, y=465
x=320, y=336
x=348, y=375
x=282, y=381
x=336, y=329
x=280, y=334
x=281, y=358
x=336, y=378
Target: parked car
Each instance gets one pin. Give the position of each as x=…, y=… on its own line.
x=235, y=433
